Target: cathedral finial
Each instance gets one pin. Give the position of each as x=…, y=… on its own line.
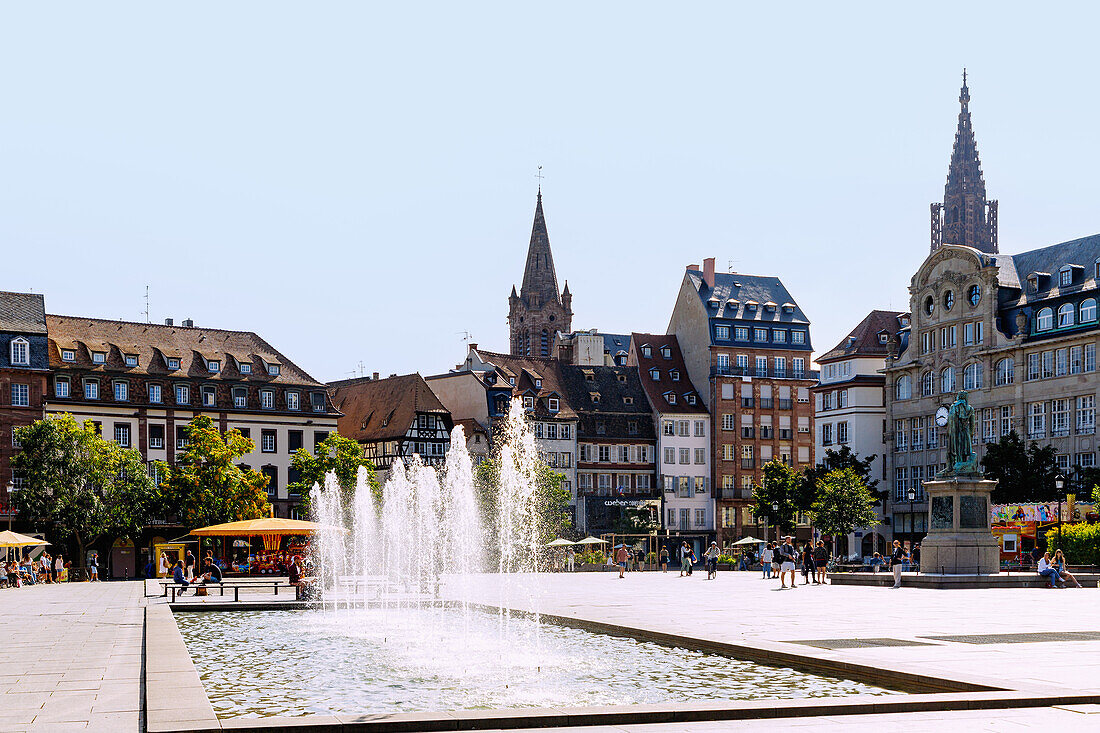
x=539, y=176
x=964, y=94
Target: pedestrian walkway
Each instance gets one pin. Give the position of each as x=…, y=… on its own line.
x=71, y=657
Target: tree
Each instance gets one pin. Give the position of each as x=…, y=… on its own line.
x=552, y=500
x=84, y=486
x=844, y=503
x=778, y=497
x=635, y=520
x=338, y=454
x=837, y=459
x=1025, y=472
x=206, y=486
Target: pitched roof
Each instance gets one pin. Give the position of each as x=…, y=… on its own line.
x=864, y=338
x=656, y=390
x=1084, y=252
x=614, y=385
x=153, y=343
x=381, y=409
x=539, y=276
x=733, y=293
x=526, y=369
x=22, y=313
x=613, y=343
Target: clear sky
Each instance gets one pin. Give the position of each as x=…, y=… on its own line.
x=356, y=181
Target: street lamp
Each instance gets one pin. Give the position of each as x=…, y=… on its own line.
x=911, y=495
x=775, y=516
x=11, y=510
x=1059, y=482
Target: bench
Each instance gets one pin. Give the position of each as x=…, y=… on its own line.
x=236, y=586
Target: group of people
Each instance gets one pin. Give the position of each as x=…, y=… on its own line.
x=45, y=569
x=1055, y=570
x=184, y=572
x=779, y=558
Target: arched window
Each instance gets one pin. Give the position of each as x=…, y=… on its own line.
x=1066, y=312
x=947, y=380
x=20, y=352
x=972, y=376
x=903, y=388
x=929, y=305
x=1088, y=310
x=927, y=384
x=974, y=294
x=1045, y=320
x=1005, y=369
x=948, y=299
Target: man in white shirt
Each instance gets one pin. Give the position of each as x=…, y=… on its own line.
x=1049, y=571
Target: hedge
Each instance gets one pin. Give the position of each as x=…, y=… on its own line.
x=1080, y=543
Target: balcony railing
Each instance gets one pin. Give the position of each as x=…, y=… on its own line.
x=736, y=371
x=735, y=492
x=748, y=463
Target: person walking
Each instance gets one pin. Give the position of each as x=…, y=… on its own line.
x=711, y=557
x=93, y=567
x=766, y=561
x=570, y=557
x=809, y=564
x=189, y=565
x=685, y=559
x=787, y=557
x=58, y=568
x=898, y=559
x=821, y=560
x=1059, y=564
x=1047, y=570
x=623, y=556
x=664, y=559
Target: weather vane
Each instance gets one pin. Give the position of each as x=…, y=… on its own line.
x=540, y=176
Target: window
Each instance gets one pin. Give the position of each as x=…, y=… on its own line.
x=267, y=399
x=947, y=380
x=552, y=404
x=798, y=337
x=927, y=342
x=68, y=355
x=989, y=425
x=927, y=384
x=20, y=395
x=700, y=456
x=647, y=352
x=760, y=334
x=1045, y=320
x=1036, y=420
x=780, y=363
x=933, y=433
x=99, y=357
x=685, y=456
x=181, y=437
x=565, y=432
x=267, y=441
x=122, y=391
x=213, y=365
x=156, y=436
x=1061, y=362
x=604, y=453
x=721, y=332
x=1090, y=357
x=273, y=369
x=1006, y=419
x=700, y=429
x=1086, y=415
x=674, y=374
x=948, y=300
x=1048, y=364
x=741, y=333
x=292, y=401
x=903, y=388
x=901, y=483
x=240, y=397
x=916, y=433
x=974, y=294
x=122, y=434
x=173, y=363
x=972, y=376
x=91, y=389
x=528, y=402
x=842, y=432
x=1066, y=313
x=131, y=360
x=655, y=375
x=183, y=394
x=1059, y=417
x=61, y=387
x=20, y=352
x=1033, y=366
x=826, y=434
x=779, y=335
x=209, y=396
x=154, y=393
x=551, y=431
x=293, y=440
x=728, y=421
x=761, y=366
x=1004, y=372
x=244, y=368
x=700, y=517
x=1088, y=310
x=799, y=366
x=1065, y=277
x=682, y=428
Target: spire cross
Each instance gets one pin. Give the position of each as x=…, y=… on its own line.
x=540, y=177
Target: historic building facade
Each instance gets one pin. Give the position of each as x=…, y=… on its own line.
x=683, y=438
x=850, y=408
x=24, y=369
x=748, y=342
x=1017, y=332
x=538, y=311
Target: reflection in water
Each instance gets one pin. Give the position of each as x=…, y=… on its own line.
x=268, y=663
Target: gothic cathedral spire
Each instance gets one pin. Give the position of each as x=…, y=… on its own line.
x=539, y=310
x=965, y=217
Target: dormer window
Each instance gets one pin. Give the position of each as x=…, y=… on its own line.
x=671, y=398
x=1033, y=283
x=173, y=363
x=675, y=374
x=690, y=398
x=904, y=320
x=267, y=399
x=851, y=341
x=213, y=365
x=883, y=338
x=720, y=332
x=131, y=360
x=1065, y=276
x=628, y=400
x=99, y=357
x=667, y=352
x=317, y=400
x=622, y=378
x=538, y=383
x=589, y=376
x=655, y=375
x=595, y=397
x=512, y=381
x=648, y=352
x=273, y=370
x=244, y=368
x=68, y=355
x=21, y=352
x=292, y=401
x=552, y=404
x=528, y=402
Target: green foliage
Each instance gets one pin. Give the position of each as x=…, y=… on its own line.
x=782, y=488
x=844, y=502
x=335, y=453
x=591, y=557
x=83, y=485
x=206, y=486
x=1080, y=543
x=634, y=520
x=836, y=459
x=1025, y=472
x=551, y=498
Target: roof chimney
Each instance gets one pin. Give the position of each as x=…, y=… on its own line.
x=473, y=347
x=188, y=323
x=708, y=271
x=689, y=268
x=168, y=322
x=375, y=377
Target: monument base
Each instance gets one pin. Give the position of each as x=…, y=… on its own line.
x=959, y=540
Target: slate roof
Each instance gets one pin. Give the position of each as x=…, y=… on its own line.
x=383, y=409
x=656, y=390
x=733, y=291
x=153, y=343
x=613, y=343
x=22, y=312
x=525, y=370
x=863, y=339
x=612, y=384
x=1084, y=252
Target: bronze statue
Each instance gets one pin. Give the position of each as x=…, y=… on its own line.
x=961, y=424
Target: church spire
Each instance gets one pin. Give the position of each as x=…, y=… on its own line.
x=965, y=217
x=540, y=280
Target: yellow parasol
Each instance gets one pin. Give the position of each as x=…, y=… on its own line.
x=272, y=529
x=14, y=539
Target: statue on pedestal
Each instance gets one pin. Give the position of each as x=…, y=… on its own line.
x=961, y=424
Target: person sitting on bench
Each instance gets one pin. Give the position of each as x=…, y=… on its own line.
x=178, y=577
x=1047, y=570
x=211, y=573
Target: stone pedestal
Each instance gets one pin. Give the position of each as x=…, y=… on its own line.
x=959, y=539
